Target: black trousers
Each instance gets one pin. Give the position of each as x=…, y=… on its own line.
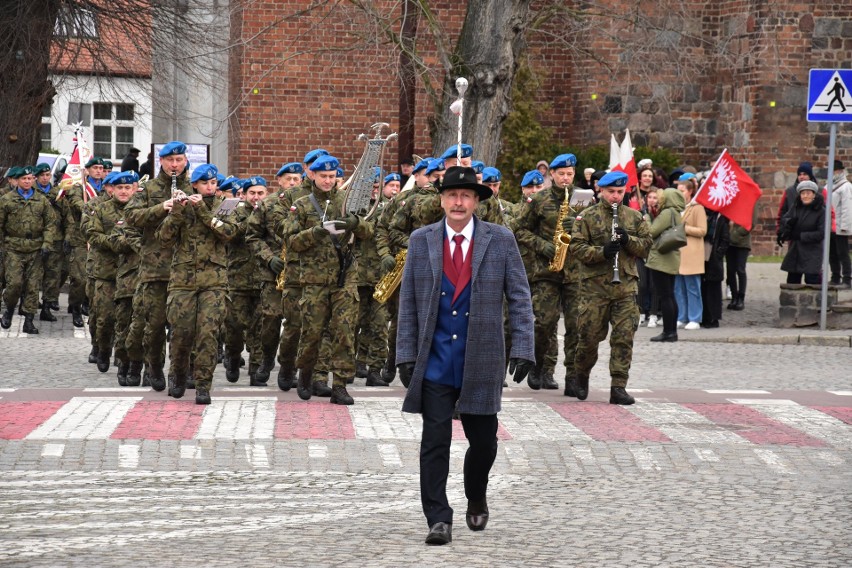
x=838, y=258
x=439, y=403
x=664, y=289
x=737, y=258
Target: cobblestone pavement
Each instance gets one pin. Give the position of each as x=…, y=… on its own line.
x=737, y=453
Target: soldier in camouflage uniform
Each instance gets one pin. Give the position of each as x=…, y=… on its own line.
x=241, y=325
x=598, y=246
x=554, y=293
x=74, y=246
x=53, y=265
x=27, y=234
x=10, y=186
x=95, y=316
x=199, y=282
x=146, y=211
x=329, y=281
x=128, y=337
x=105, y=248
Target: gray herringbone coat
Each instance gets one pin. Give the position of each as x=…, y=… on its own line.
x=497, y=272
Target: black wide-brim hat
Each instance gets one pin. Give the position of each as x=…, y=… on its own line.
x=459, y=177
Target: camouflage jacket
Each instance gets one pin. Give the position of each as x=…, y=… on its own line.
x=418, y=209
x=89, y=208
x=534, y=228
x=129, y=242
x=492, y=210
x=381, y=229
x=291, y=276
x=26, y=224
x=104, y=244
x=261, y=235
x=197, y=237
x=58, y=211
x=318, y=258
x=369, y=261
x=593, y=230
x=72, y=213
x=145, y=212
x=242, y=266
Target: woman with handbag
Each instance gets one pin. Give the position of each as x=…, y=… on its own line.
x=688, y=280
x=663, y=264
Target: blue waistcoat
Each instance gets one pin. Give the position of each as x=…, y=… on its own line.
x=446, y=357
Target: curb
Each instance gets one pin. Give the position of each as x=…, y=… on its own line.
x=817, y=340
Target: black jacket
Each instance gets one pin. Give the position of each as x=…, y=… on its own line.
x=804, y=227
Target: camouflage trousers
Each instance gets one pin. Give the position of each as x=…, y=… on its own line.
x=77, y=275
x=333, y=310
x=93, y=313
x=153, y=313
x=126, y=343
x=195, y=317
x=23, y=277
x=136, y=329
x=270, y=319
x=601, y=305
x=550, y=301
x=52, y=278
x=103, y=310
x=371, y=339
x=288, y=347
x=241, y=325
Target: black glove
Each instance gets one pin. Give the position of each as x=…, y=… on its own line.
x=405, y=372
x=568, y=224
x=348, y=223
x=45, y=253
x=388, y=263
x=623, y=237
x=520, y=368
x=276, y=265
x=548, y=250
x=611, y=249
x=779, y=240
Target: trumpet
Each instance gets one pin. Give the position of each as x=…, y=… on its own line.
x=615, y=278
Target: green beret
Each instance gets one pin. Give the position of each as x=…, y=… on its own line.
x=14, y=172
x=41, y=168
x=94, y=161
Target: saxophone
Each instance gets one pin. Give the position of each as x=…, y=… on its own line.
x=390, y=281
x=281, y=278
x=561, y=238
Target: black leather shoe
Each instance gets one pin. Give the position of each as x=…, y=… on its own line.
x=93, y=355
x=617, y=395
x=76, y=316
x=669, y=337
x=303, y=385
x=232, y=369
x=177, y=386
x=534, y=379
x=570, y=387
x=360, y=370
x=263, y=372
x=45, y=315
x=29, y=326
x=440, y=533
x=103, y=361
x=548, y=383
x=6, y=322
x=374, y=379
x=158, y=379
x=339, y=395
x=202, y=396
x=477, y=515
x=286, y=378
x=134, y=373
x=319, y=388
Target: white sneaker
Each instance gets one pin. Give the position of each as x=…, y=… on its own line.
x=692, y=325
x=680, y=324
x=641, y=319
x=728, y=295
x=652, y=321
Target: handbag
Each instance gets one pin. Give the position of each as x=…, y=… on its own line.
x=672, y=239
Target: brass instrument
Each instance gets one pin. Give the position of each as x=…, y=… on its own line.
x=390, y=281
x=615, y=278
x=281, y=278
x=561, y=238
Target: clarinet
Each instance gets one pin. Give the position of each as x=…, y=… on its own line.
x=177, y=195
x=615, y=278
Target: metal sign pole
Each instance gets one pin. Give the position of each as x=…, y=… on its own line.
x=823, y=302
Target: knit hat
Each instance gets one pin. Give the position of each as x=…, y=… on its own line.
x=807, y=184
x=807, y=168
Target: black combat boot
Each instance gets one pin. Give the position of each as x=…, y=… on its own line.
x=389, y=370
x=303, y=386
x=146, y=377
x=582, y=388
x=319, y=387
x=177, y=385
x=84, y=307
x=29, y=326
x=617, y=395
x=134, y=373
x=93, y=355
x=254, y=381
x=123, y=369
x=76, y=315
x=103, y=360
x=266, y=366
x=46, y=315
x=286, y=377
x=570, y=387
x=253, y=367
x=534, y=378
x=6, y=321
x=374, y=379
x=232, y=369
x=360, y=370
x=739, y=302
x=547, y=382
x=157, y=377
x=54, y=305
x=202, y=395
x=340, y=396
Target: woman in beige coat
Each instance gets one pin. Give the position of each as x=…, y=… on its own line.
x=688, y=280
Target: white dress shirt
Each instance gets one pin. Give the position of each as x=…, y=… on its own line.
x=467, y=233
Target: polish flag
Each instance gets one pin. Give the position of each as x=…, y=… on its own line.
x=621, y=159
x=730, y=191
x=74, y=170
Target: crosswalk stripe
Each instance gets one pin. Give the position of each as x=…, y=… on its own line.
x=238, y=419
x=53, y=450
x=516, y=455
x=390, y=455
x=383, y=419
x=538, y=422
x=317, y=451
x=808, y=420
x=256, y=455
x=83, y=417
x=644, y=460
x=683, y=425
x=774, y=462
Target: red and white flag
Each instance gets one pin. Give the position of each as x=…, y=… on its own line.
x=621, y=159
x=730, y=191
x=74, y=170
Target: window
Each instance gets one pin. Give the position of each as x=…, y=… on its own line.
x=113, y=129
x=46, y=128
x=76, y=22
x=80, y=112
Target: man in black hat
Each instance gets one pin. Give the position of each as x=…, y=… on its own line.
x=457, y=267
x=131, y=161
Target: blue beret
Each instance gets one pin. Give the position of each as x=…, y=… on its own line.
x=421, y=165
x=563, y=161
x=173, y=148
x=340, y=172
x=324, y=163
x=477, y=166
x=532, y=177
x=377, y=174
x=220, y=178
x=94, y=161
x=314, y=154
x=41, y=168
x=435, y=165
x=686, y=176
x=231, y=184
x=452, y=151
x=291, y=168
x=492, y=175
x=204, y=172
x=613, y=179
x=252, y=181
x=109, y=179
x=392, y=177
x=124, y=177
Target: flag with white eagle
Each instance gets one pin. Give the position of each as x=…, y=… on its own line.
x=730, y=191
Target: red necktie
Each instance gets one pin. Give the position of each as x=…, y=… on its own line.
x=457, y=253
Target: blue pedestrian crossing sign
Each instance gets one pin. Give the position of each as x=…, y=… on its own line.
x=829, y=98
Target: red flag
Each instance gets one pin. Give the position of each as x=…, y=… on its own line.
x=730, y=191
x=74, y=170
x=626, y=162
